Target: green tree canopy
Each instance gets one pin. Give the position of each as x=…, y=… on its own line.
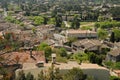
x=62, y=52
x=76, y=22
x=80, y=57
x=117, y=34
x=102, y=34
x=44, y=47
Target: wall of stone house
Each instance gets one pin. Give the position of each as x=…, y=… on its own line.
x=110, y=58
x=82, y=35
x=97, y=74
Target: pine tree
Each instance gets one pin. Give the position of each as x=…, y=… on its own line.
x=112, y=37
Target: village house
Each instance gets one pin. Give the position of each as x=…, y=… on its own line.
x=50, y=42
x=81, y=34
x=94, y=70
x=113, y=55
x=13, y=58
x=29, y=38
x=4, y=25
x=91, y=45
x=45, y=31
x=59, y=39
x=21, y=60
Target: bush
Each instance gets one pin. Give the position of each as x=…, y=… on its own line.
x=38, y=20
x=94, y=58
x=62, y=52
x=114, y=78
x=12, y=20
x=80, y=57
x=109, y=64
x=116, y=65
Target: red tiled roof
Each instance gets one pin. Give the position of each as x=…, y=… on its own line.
x=23, y=57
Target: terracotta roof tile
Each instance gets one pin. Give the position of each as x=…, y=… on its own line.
x=23, y=57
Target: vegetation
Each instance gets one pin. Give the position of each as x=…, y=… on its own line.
x=58, y=20
x=102, y=34
x=55, y=74
x=44, y=47
x=94, y=58
x=38, y=20
x=80, y=57
x=22, y=76
x=61, y=55
x=74, y=74
x=78, y=12
x=114, y=78
x=12, y=20
x=112, y=37
x=116, y=34
x=9, y=42
x=107, y=24
x=86, y=28
x=61, y=59
x=113, y=65
x=62, y=52
x=75, y=23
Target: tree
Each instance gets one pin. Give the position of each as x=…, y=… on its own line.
x=74, y=74
x=97, y=25
x=57, y=74
x=58, y=20
x=117, y=34
x=62, y=52
x=102, y=34
x=38, y=20
x=94, y=58
x=101, y=18
x=48, y=51
x=76, y=23
x=114, y=78
x=112, y=37
x=51, y=74
x=117, y=65
x=45, y=20
x=44, y=47
x=80, y=57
